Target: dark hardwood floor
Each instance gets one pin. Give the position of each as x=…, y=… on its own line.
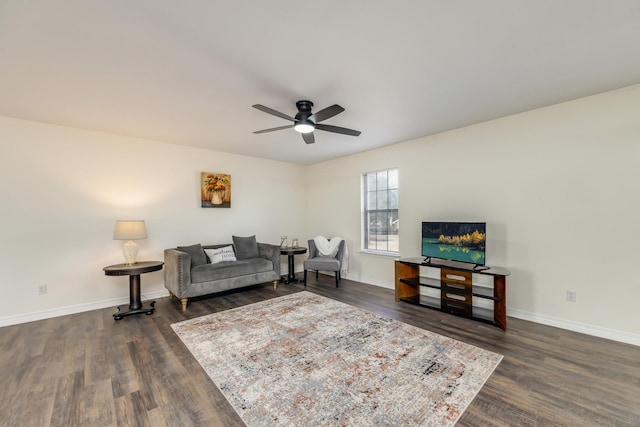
x=88, y=370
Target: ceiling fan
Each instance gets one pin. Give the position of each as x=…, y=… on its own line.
x=306, y=122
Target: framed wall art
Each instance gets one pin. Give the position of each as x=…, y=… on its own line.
x=215, y=190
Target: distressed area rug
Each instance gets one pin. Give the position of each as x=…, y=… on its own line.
x=306, y=360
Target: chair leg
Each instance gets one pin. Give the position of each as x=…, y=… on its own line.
x=316, y=275
x=305, y=278
x=183, y=302
x=337, y=278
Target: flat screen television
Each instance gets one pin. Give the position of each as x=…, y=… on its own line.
x=455, y=241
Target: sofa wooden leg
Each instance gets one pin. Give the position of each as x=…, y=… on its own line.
x=170, y=296
x=183, y=301
x=275, y=284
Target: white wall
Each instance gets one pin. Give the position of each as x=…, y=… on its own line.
x=558, y=188
x=63, y=189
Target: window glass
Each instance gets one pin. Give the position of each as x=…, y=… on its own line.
x=380, y=221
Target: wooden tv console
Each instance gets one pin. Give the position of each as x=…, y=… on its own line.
x=456, y=289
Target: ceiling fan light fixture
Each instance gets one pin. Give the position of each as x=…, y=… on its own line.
x=304, y=126
x=306, y=122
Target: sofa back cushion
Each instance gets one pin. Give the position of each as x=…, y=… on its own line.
x=246, y=247
x=196, y=253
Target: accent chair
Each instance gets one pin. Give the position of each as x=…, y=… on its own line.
x=318, y=262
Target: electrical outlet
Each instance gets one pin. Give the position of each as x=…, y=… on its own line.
x=571, y=295
x=42, y=289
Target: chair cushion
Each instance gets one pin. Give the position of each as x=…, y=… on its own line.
x=196, y=253
x=322, y=263
x=246, y=247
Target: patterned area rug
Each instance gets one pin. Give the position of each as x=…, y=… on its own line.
x=306, y=360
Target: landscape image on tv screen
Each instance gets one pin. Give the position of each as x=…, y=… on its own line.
x=455, y=241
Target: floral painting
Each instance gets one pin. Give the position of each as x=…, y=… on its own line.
x=215, y=190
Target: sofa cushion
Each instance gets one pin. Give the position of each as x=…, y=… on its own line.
x=196, y=253
x=246, y=247
x=220, y=254
x=227, y=269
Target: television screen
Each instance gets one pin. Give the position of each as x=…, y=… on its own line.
x=455, y=241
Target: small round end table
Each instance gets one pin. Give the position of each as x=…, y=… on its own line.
x=291, y=252
x=134, y=271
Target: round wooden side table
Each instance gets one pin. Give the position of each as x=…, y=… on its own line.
x=291, y=252
x=134, y=271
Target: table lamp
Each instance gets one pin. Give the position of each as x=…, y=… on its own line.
x=130, y=230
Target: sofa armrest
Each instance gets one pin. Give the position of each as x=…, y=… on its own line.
x=272, y=253
x=177, y=271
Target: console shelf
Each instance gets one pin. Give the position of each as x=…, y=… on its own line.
x=457, y=292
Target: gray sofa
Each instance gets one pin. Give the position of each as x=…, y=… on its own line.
x=188, y=271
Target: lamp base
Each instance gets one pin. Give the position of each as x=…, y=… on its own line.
x=130, y=252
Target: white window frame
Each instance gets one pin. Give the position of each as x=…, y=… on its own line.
x=380, y=221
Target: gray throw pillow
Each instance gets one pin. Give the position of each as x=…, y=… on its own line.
x=198, y=257
x=246, y=247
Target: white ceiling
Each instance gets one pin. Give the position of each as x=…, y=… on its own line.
x=187, y=72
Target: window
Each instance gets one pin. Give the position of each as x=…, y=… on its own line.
x=380, y=221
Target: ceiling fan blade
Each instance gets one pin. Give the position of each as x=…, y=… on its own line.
x=309, y=138
x=327, y=113
x=273, y=112
x=338, y=129
x=272, y=129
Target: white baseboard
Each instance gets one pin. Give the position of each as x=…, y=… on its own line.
x=369, y=281
x=72, y=309
x=584, y=328
x=596, y=331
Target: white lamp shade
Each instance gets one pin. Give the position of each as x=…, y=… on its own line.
x=130, y=230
